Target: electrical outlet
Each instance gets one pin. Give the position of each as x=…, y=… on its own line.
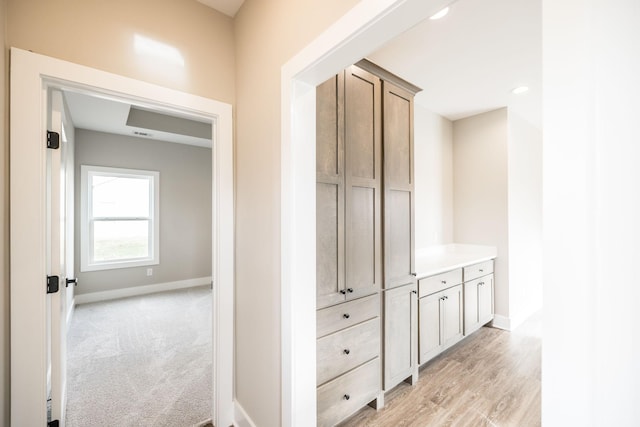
x=149, y=271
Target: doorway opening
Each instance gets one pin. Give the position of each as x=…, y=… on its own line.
x=34, y=77
x=140, y=320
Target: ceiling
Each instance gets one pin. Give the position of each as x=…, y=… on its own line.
x=122, y=118
x=469, y=61
x=228, y=7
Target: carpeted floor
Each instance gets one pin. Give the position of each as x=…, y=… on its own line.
x=141, y=361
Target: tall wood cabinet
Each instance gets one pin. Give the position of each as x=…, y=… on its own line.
x=348, y=187
x=364, y=238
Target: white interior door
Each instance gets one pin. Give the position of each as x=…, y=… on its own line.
x=59, y=254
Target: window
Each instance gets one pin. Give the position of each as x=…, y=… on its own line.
x=119, y=218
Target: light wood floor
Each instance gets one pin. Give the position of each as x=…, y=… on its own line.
x=491, y=378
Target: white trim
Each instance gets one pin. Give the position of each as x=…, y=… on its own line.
x=367, y=26
x=242, y=419
x=31, y=77
x=140, y=290
x=70, y=312
x=501, y=322
x=87, y=262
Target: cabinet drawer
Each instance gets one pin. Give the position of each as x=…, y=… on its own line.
x=343, y=396
x=344, y=350
x=439, y=282
x=342, y=316
x=478, y=270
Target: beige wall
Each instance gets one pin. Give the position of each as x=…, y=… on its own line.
x=480, y=181
x=433, y=149
x=267, y=33
x=4, y=226
x=185, y=207
x=99, y=35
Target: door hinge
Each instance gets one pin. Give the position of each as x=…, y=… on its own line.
x=53, y=140
x=54, y=423
x=53, y=284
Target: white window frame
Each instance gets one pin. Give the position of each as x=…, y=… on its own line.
x=86, y=236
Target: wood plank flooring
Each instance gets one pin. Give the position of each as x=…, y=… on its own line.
x=491, y=378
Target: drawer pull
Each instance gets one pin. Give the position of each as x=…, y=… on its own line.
x=350, y=290
x=346, y=397
x=481, y=284
x=346, y=351
x=481, y=270
x=342, y=291
x=444, y=282
x=346, y=315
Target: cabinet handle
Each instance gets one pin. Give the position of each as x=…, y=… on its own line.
x=350, y=290
x=342, y=291
x=346, y=315
x=414, y=274
x=481, y=284
x=346, y=397
x=346, y=351
x=414, y=292
x=73, y=281
x=444, y=282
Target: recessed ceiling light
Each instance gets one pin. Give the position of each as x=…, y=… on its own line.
x=440, y=14
x=519, y=90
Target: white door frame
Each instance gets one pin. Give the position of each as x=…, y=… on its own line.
x=359, y=32
x=31, y=77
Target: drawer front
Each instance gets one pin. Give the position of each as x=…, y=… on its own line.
x=343, y=396
x=342, y=316
x=439, y=282
x=337, y=353
x=478, y=270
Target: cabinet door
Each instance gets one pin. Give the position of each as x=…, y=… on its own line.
x=430, y=339
x=398, y=185
x=478, y=303
x=363, y=151
x=400, y=334
x=452, y=307
x=485, y=300
x=330, y=260
x=471, y=320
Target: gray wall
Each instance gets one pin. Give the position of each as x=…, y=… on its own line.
x=185, y=207
x=480, y=191
x=433, y=145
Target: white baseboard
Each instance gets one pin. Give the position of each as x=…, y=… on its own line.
x=512, y=323
x=141, y=290
x=242, y=419
x=501, y=322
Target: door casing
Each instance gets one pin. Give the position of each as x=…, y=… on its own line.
x=32, y=76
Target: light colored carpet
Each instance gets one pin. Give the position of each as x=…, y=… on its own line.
x=141, y=361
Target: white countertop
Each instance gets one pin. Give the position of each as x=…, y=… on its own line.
x=438, y=259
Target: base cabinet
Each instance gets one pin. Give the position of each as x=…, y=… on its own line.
x=478, y=296
x=400, y=335
x=348, y=366
x=440, y=322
